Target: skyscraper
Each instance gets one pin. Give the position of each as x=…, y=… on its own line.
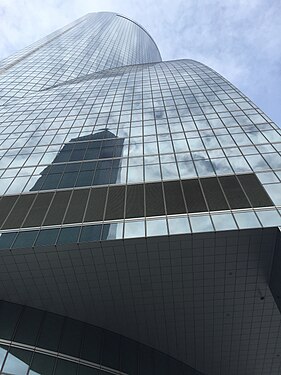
x=139, y=212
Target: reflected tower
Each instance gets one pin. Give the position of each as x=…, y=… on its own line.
x=139, y=212
x=85, y=161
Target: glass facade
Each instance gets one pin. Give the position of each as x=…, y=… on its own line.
x=135, y=126
x=102, y=141
x=54, y=345
x=93, y=43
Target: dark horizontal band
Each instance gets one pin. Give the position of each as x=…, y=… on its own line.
x=132, y=201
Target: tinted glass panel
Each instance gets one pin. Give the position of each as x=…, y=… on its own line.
x=58, y=208
x=110, y=352
x=69, y=235
x=47, y=237
x=65, y=367
x=90, y=233
x=193, y=196
x=83, y=370
x=43, y=364
x=146, y=362
x=27, y=330
x=16, y=217
x=6, y=240
x=6, y=203
x=38, y=210
x=25, y=239
x=9, y=314
x=174, y=198
x=214, y=195
x=115, y=203
x=91, y=348
x=234, y=193
x=154, y=199
x=50, y=331
x=72, y=336
x=76, y=208
x=135, y=201
x=128, y=356
x=255, y=191
x=96, y=205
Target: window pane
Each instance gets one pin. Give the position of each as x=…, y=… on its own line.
x=17, y=362
x=246, y=220
x=134, y=229
x=69, y=235
x=90, y=233
x=178, y=225
x=27, y=330
x=47, y=237
x=50, y=331
x=42, y=364
x=269, y=218
x=201, y=223
x=25, y=239
x=112, y=231
x=6, y=240
x=156, y=227
x=65, y=367
x=3, y=352
x=223, y=222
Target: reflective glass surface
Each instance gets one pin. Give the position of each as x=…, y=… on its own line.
x=95, y=42
x=101, y=141
x=121, y=138
x=83, y=348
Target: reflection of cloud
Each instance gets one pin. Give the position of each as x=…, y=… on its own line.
x=156, y=227
x=169, y=171
x=113, y=231
x=159, y=114
x=240, y=39
x=152, y=173
x=257, y=162
x=135, y=174
x=204, y=168
x=221, y=166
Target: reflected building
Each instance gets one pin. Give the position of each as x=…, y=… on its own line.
x=139, y=212
x=73, y=166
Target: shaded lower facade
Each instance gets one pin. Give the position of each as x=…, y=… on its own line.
x=206, y=301
x=37, y=342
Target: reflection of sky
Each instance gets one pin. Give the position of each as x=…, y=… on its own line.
x=201, y=223
x=112, y=231
x=177, y=224
x=156, y=227
x=134, y=229
x=35, y=139
x=2, y=355
x=246, y=220
x=125, y=48
x=14, y=365
x=224, y=222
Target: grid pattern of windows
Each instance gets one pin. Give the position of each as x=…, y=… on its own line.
x=97, y=41
x=119, y=202
x=35, y=342
x=190, y=123
x=139, y=124
x=202, y=298
x=141, y=196
x=76, y=234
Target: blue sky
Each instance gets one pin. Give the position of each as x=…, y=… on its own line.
x=240, y=39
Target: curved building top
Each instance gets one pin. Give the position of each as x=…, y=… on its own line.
x=106, y=40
